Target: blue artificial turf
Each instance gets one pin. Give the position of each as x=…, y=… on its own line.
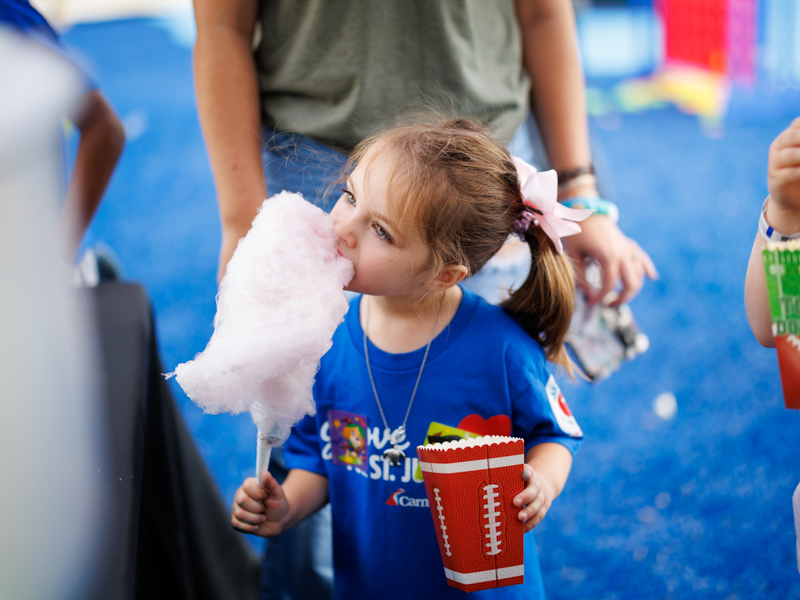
x=698, y=506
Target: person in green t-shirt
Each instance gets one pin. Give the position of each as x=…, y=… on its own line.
x=338, y=71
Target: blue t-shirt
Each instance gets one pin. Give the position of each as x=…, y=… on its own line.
x=484, y=374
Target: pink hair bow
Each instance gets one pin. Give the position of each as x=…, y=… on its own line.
x=540, y=194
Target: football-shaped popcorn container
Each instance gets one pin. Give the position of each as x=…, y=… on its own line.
x=471, y=485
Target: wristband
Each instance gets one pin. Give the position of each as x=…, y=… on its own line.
x=580, y=180
x=597, y=204
x=564, y=176
x=768, y=233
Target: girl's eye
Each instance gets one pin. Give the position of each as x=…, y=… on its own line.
x=349, y=198
x=382, y=233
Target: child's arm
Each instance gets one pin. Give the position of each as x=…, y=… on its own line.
x=783, y=214
x=272, y=509
x=546, y=470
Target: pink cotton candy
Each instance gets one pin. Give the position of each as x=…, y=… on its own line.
x=278, y=306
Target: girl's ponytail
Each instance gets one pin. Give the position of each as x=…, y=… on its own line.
x=544, y=303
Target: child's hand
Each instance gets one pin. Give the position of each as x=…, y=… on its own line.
x=258, y=510
x=783, y=175
x=535, y=499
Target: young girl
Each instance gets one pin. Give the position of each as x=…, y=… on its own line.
x=417, y=356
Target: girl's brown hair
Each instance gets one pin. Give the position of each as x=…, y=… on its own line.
x=459, y=185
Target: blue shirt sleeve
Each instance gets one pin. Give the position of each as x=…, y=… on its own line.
x=21, y=16
x=302, y=449
x=536, y=420
x=539, y=411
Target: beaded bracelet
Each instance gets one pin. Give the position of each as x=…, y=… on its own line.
x=768, y=233
x=595, y=203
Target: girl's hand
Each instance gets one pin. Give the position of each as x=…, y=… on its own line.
x=535, y=499
x=783, y=174
x=259, y=510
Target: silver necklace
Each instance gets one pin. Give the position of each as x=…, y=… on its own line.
x=394, y=455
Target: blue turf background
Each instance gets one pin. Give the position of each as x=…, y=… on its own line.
x=694, y=507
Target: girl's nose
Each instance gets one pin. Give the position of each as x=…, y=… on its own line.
x=343, y=229
x=346, y=235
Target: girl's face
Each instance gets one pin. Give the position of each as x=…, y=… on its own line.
x=388, y=261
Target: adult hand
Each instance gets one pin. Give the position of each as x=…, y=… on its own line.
x=260, y=510
x=619, y=257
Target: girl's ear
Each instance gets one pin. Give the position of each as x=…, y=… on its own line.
x=450, y=276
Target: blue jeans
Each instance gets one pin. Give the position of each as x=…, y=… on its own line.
x=296, y=163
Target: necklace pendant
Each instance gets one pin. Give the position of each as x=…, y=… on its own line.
x=394, y=456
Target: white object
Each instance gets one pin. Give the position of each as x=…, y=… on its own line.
x=48, y=417
x=666, y=406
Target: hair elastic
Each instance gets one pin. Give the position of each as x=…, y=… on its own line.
x=523, y=223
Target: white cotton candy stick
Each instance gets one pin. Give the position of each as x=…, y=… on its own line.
x=278, y=306
x=263, y=452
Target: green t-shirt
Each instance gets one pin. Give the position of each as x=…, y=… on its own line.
x=340, y=70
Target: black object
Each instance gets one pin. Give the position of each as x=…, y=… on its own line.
x=165, y=532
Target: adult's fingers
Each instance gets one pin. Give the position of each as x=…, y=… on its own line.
x=631, y=274
x=610, y=273
x=579, y=266
x=633, y=270
x=649, y=266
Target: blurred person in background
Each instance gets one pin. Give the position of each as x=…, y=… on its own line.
x=101, y=134
x=286, y=89
x=160, y=526
x=780, y=221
